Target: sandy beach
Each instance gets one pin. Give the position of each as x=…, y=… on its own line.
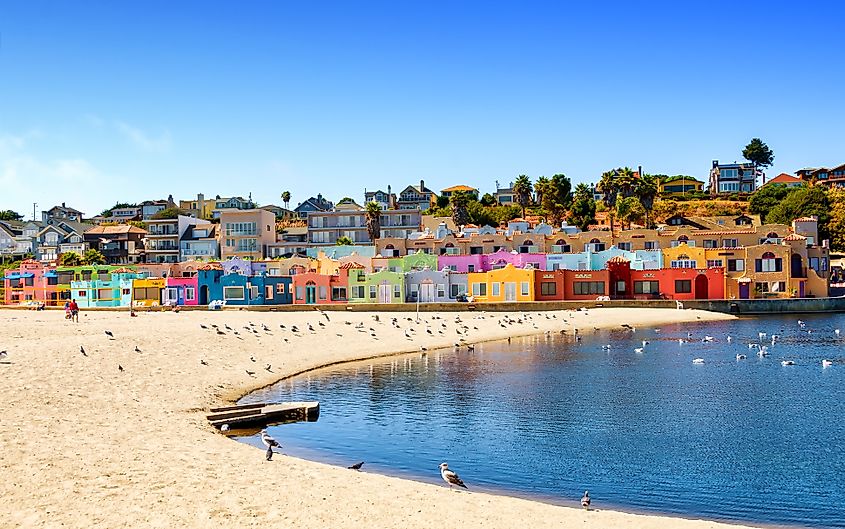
x=87, y=445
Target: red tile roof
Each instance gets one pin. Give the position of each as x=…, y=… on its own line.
x=784, y=178
x=350, y=265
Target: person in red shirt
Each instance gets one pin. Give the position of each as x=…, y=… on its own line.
x=74, y=311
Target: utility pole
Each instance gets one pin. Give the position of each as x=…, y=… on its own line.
x=34, y=205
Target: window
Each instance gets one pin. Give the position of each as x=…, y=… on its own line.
x=711, y=243
x=525, y=288
x=479, y=289
x=338, y=293
x=584, y=288
x=736, y=265
x=814, y=263
x=652, y=245
x=476, y=250
x=358, y=292
x=322, y=292
x=729, y=187
x=730, y=243
x=548, y=288
x=646, y=287
x=190, y=293
x=683, y=286
x=769, y=263
x=624, y=246
x=682, y=261
x=471, y=268
x=458, y=289
x=233, y=293
x=280, y=288
x=298, y=292
x=714, y=263
x=824, y=264
x=253, y=292
x=496, y=288
x=441, y=290
x=620, y=287
x=372, y=291
x=397, y=291
x=268, y=291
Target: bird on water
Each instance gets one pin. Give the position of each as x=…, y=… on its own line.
x=450, y=477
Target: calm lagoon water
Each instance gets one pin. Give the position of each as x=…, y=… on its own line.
x=545, y=417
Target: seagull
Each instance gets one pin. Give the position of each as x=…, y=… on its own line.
x=450, y=477
x=109, y=334
x=137, y=350
x=741, y=357
x=268, y=441
x=4, y=354
x=826, y=363
x=698, y=361
x=356, y=466
x=638, y=350
x=120, y=368
x=220, y=332
x=585, y=500
x=787, y=363
x=203, y=362
x=250, y=373
x=836, y=331
x=269, y=454
x=707, y=339
x=203, y=326
x=81, y=350
x=224, y=428
x=645, y=342
x=267, y=368
x=729, y=339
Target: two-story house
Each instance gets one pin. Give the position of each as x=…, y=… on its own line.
x=823, y=175
x=231, y=204
x=246, y=233
x=504, y=195
x=162, y=244
x=121, y=244
x=62, y=212
x=199, y=241
x=473, y=192
x=151, y=207
x=328, y=226
x=60, y=236
x=385, y=200
x=417, y=197
x=199, y=207
x=317, y=203
x=732, y=178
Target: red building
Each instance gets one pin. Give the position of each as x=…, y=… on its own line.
x=667, y=283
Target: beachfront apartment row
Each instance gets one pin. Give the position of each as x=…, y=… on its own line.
x=783, y=266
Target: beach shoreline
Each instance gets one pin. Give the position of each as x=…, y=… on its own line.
x=132, y=448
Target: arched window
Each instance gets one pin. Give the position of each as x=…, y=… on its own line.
x=594, y=241
x=772, y=235
x=768, y=255
x=769, y=263
x=683, y=261
x=388, y=247
x=560, y=242
x=449, y=245
x=529, y=242
x=683, y=238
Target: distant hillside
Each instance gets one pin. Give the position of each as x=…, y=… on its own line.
x=703, y=208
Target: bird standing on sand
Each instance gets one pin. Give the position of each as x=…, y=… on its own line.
x=450, y=477
x=357, y=466
x=269, y=454
x=120, y=368
x=81, y=350
x=585, y=500
x=4, y=354
x=270, y=443
x=109, y=334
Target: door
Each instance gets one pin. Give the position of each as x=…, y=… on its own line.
x=426, y=292
x=743, y=290
x=701, y=286
x=384, y=292
x=801, y=289
x=310, y=294
x=510, y=291
x=204, y=295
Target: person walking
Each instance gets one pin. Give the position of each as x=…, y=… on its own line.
x=74, y=311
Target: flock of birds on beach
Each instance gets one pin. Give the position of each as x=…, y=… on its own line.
x=436, y=326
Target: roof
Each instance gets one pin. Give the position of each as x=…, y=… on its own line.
x=618, y=259
x=794, y=237
x=430, y=222
x=681, y=177
x=806, y=219
x=458, y=188
x=189, y=233
x=65, y=208
x=351, y=265
x=210, y=266
x=123, y=270
x=784, y=178
x=114, y=230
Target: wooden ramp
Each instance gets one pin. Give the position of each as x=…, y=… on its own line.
x=263, y=413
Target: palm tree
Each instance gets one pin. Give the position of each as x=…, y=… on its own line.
x=646, y=191
x=286, y=198
x=626, y=182
x=522, y=189
x=373, y=213
x=541, y=187
x=460, y=212
x=607, y=186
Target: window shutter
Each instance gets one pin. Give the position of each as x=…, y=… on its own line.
x=758, y=265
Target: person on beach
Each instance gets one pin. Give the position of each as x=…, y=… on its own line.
x=67, y=310
x=74, y=311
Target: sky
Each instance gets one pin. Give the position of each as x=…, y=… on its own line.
x=104, y=102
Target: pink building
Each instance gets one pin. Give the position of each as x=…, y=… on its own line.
x=461, y=263
x=33, y=282
x=180, y=291
x=502, y=258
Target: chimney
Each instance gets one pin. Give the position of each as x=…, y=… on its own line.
x=63, y=204
x=640, y=170
x=200, y=197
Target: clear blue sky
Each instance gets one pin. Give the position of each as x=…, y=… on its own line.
x=106, y=101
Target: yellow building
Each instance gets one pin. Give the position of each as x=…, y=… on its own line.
x=679, y=185
x=147, y=292
x=202, y=206
x=505, y=284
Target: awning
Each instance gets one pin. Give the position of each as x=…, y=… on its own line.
x=20, y=276
x=744, y=280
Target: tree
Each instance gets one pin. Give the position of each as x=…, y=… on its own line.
x=373, y=214
x=459, y=203
x=607, y=186
x=93, y=257
x=541, y=186
x=481, y=215
x=70, y=259
x=583, y=210
x=488, y=200
x=286, y=198
x=803, y=202
x=555, y=197
x=629, y=210
x=646, y=192
x=442, y=202
x=343, y=240
x=766, y=198
x=626, y=182
x=758, y=153
x=836, y=224
x=168, y=213
x=8, y=214
x=522, y=189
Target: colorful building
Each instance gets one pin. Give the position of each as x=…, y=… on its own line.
x=146, y=292
x=502, y=284
x=107, y=290
x=311, y=288
x=33, y=282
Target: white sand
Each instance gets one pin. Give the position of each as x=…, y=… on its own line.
x=84, y=445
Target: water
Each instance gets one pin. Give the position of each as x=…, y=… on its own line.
x=747, y=440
